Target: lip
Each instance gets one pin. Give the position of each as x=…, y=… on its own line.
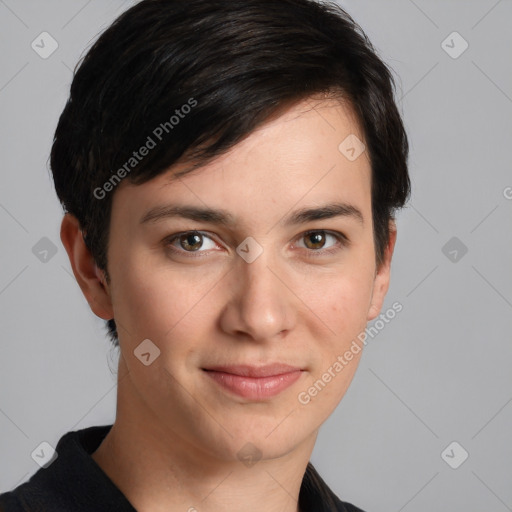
x=245, y=370
x=255, y=383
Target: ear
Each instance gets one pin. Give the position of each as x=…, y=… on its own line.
x=382, y=275
x=89, y=277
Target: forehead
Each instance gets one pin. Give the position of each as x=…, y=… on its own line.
x=310, y=126
x=298, y=156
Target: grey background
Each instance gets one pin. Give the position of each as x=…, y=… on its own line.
x=439, y=372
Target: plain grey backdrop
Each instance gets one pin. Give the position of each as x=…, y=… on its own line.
x=427, y=422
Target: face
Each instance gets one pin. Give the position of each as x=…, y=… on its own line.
x=270, y=287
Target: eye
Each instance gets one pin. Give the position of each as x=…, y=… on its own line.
x=316, y=241
x=189, y=242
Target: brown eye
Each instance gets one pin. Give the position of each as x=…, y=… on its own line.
x=317, y=239
x=191, y=241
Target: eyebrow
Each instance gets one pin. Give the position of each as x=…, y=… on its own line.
x=224, y=218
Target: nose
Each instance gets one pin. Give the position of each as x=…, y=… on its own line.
x=262, y=306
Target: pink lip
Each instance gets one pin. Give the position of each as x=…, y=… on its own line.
x=255, y=383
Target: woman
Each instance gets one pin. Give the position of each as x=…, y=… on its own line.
x=229, y=173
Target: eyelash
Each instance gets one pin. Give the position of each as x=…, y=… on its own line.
x=343, y=242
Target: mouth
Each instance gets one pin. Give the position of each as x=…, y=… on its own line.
x=254, y=383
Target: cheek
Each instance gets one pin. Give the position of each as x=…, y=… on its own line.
x=344, y=302
x=146, y=301
x=163, y=303
x=343, y=307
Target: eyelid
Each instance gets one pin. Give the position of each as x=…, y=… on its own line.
x=336, y=234
x=343, y=242
x=168, y=240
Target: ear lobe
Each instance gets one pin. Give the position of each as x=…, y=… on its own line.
x=383, y=275
x=88, y=276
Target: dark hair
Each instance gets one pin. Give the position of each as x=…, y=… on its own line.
x=203, y=75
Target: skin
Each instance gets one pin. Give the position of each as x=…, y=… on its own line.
x=177, y=433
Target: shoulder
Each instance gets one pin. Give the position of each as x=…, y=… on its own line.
x=316, y=496
x=344, y=506
x=10, y=503
x=71, y=481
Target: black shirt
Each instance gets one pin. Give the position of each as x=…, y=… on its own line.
x=73, y=482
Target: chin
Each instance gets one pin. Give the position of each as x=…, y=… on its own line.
x=265, y=438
